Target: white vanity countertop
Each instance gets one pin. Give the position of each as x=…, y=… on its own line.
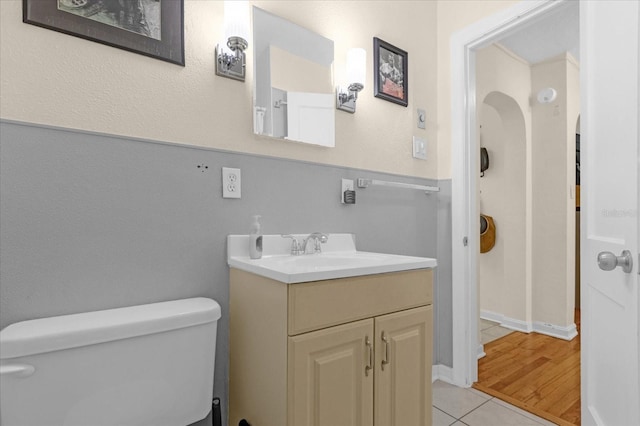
x=339, y=259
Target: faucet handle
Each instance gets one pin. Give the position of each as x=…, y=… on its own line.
x=319, y=240
x=295, y=245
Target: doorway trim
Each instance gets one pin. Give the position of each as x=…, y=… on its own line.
x=464, y=146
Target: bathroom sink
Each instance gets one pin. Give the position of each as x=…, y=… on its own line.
x=339, y=259
x=324, y=261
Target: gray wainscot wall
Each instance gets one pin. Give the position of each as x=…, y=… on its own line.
x=92, y=221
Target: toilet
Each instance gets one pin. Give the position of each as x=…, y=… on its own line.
x=141, y=365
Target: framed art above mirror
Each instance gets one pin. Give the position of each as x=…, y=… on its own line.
x=293, y=95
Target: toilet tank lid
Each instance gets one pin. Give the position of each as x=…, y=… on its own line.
x=69, y=331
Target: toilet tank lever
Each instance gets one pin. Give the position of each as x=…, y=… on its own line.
x=18, y=370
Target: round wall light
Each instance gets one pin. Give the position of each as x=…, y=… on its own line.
x=548, y=95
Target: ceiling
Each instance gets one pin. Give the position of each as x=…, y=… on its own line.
x=553, y=35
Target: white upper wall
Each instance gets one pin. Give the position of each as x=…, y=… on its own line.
x=55, y=79
x=554, y=148
x=503, y=88
x=453, y=16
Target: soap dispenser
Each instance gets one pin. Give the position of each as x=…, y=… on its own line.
x=255, y=239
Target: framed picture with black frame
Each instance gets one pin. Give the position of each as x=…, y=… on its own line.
x=153, y=28
x=390, y=72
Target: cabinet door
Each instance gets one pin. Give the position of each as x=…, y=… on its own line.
x=403, y=367
x=330, y=376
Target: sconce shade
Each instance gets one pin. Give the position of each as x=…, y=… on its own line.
x=356, y=66
x=356, y=74
x=236, y=32
x=236, y=19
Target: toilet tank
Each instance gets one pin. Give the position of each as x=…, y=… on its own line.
x=141, y=365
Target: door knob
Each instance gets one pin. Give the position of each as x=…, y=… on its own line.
x=608, y=261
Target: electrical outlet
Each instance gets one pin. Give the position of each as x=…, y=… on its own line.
x=231, y=183
x=347, y=185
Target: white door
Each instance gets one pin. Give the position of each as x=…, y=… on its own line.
x=609, y=145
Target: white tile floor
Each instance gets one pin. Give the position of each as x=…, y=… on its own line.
x=459, y=406
x=490, y=331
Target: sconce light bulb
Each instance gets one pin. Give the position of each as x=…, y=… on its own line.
x=236, y=21
x=356, y=73
x=236, y=30
x=356, y=67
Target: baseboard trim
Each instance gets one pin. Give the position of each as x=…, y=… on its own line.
x=553, y=330
x=481, y=352
x=442, y=372
x=511, y=323
x=564, y=333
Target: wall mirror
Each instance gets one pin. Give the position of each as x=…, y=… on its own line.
x=293, y=96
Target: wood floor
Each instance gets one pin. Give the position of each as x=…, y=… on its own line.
x=537, y=373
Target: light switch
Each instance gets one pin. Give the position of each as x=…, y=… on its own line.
x=419, y=148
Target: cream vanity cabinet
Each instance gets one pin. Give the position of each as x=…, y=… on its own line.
x=347, y=351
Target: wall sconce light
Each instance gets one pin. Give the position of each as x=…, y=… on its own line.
x=236, y=31
x=356, y=74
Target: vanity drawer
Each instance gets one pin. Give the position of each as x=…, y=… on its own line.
x=321, y=304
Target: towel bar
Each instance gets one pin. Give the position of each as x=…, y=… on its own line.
x=363, y=183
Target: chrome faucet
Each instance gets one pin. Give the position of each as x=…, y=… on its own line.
x=298, y=248
x=318, y=237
